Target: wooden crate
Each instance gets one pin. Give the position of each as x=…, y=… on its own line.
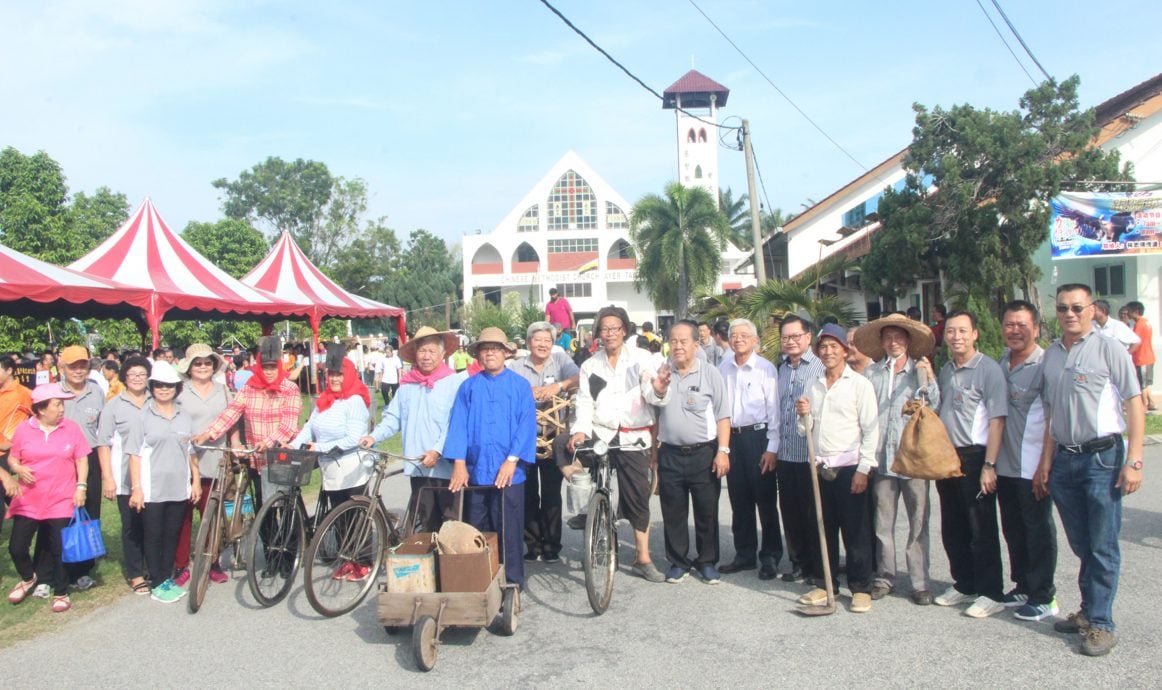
x=463, y=609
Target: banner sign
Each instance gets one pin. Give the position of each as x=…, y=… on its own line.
x=1090, y=224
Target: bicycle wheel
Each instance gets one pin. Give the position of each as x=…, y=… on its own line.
x=344, y=557
x=275, y=544
x=206, y=547
x=600, y=555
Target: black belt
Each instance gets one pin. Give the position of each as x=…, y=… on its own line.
x=692, y=448
x=1097, y=445
x=761, y=426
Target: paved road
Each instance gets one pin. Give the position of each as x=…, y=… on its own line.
x=741, y=633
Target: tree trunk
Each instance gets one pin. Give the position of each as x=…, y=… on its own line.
x=683, y=294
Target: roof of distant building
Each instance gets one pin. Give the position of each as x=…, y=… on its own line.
x=695, y=89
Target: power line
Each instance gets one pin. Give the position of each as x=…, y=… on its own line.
x=1002, y=37
x=787, y=98
x=1024, y=45
x=623, y=68
x=759, y=172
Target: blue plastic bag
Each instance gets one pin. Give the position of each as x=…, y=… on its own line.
x=82, y=540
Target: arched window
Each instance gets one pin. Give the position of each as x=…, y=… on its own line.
x=529, y=221
x=698, y=172
x=487, y=260
x=614, y=216
x=571, y=204
x=525, y=253
x=620, y=250
x=690, y=138
x=702, y=135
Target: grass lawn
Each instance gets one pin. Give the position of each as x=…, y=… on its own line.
x=1153, y=424
x=33, y=616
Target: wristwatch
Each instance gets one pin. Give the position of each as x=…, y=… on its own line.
x=725, y=450
x=1135, y=464
x=991, y=465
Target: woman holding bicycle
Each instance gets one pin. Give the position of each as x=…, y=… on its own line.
x=339, y=420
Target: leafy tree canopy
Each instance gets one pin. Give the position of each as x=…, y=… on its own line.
x=231, y=245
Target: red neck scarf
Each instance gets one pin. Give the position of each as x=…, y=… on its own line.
x=258, y=379
x=414, y=376
x=475, y=367
x=351, y=386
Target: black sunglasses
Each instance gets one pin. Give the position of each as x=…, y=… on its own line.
x=1075, y=308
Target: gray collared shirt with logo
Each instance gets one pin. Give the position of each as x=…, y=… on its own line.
x=164, y=445
x=970, y=397
x=85, y=409
x=696, y=402
x=1025, y=426
x=1085, y=388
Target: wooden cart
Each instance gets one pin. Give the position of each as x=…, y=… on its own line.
x=430, y=614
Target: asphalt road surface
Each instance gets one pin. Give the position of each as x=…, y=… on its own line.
x=741, y=633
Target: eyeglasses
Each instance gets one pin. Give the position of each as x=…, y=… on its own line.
x=610, y=329
x=792, y=337
x=1075, y=308
x=136, y=375
x=159, y=384
x=202, y=363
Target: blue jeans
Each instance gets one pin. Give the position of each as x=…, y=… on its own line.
x=1082, y=487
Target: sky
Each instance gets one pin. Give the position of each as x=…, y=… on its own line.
x=451, y=111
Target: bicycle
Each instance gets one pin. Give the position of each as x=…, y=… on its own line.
x=347, y=550
x=221, y=511
x=600, y=555
x=281, y=530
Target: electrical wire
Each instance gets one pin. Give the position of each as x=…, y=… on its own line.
x=1024, y=45
x=623, y=68
x=787, y=98
x=1002, y=37
x=759, y=173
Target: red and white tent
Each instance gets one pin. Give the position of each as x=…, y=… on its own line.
x=146, y=253
x=31, y=287
x=288, y=274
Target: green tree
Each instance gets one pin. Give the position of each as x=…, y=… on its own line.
x=984, y=179
x=369, y=264
x=33, y=197
x=427, y=275
x=92, y=219
x=737, y=212
x=231, y=245
x=682, y=235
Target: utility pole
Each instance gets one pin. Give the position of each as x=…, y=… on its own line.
x=756, y=227
x=447, y=314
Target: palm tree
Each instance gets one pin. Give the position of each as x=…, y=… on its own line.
x=682, y=236
x=737, y=213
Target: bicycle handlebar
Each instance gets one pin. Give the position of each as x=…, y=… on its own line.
x=241, y=451
x=601, y=448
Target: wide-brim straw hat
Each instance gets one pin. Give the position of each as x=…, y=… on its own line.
x=199, y=350
x=868, y=336
x=491, y=336
x=407, y=351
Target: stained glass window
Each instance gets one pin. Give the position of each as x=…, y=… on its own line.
x=572, y=246
x=614, y=216
x=572, y=204
x=528, y=222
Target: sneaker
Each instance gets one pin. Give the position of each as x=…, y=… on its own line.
x=343, y=571
x=358, y=573
x=1014, y=599
x=815, y=597
x=550, y=558
x=795, y=575
x=183, y=578
x=42, y=592
x=1036, y=612
x=83, y=583
x=861, y=602
x=1098, y=642
x=577, y=521
x=647, y=572
x=984, y=607
x=166, y=593
x=709, y=574
x=880, y=590
x=1074, y=623
x=953, y=597
x=676, y=574
x=217, y=575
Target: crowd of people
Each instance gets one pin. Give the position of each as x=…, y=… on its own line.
x=1057, y=426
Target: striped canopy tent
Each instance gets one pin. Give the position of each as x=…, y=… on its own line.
x=145, y=253
x=287, y=273
x=31, y=287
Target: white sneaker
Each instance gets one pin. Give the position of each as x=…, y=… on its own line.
x=83, y=583
x=953, y=597
x=984, y=607
x=41, y=592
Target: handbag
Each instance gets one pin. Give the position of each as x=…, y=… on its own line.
x=925, y=450
x=82, y=540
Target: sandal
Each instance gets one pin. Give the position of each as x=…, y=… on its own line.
x=61, y=604
x=21, y=591
x=140, y=588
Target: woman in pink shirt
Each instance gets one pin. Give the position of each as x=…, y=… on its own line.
x=49, y=462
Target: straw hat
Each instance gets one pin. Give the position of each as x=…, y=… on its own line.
x=196, y=351
x=920, y=340
x=491, y=336
x=407, y=351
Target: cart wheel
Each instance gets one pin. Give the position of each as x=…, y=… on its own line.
x=509, y=607
x=424, y=643
x=392, y=629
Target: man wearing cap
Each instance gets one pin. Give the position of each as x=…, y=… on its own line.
x=1092, y=397
x=974, y=402
x=558, y=311
x=84, y=408
x=797, y=370
x=901, y=373
x=1113, y=328
x=492, y=437
x=611, y=405
x=840, y=413
x=421, y=410
x=752, y=389
x=694, y=430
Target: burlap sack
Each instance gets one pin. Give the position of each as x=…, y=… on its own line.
x=925, y=450
x=457, y=537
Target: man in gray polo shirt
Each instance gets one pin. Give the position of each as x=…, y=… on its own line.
x=1093, y=396
x=973, y=406
x=84, y=409
x=1026, y=519
x=694, y=428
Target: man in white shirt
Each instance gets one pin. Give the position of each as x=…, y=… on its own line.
x=1113, y=328
x=387, y=374
x=841, y=414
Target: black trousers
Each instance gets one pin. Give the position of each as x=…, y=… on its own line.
x=752, y=491
x=387, y=390
x=543, y=508
x=969, y=527
x=163, y=523
x=797, y=506
x=132, y=540
x=846, y=514
x=685, y=479
x=431, y=504
x=1027, y=524
x=48, y=548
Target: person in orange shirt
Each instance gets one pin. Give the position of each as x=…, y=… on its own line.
x=15, y=408
x=1144, y=355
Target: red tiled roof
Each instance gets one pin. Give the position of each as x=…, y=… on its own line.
x=696, y=89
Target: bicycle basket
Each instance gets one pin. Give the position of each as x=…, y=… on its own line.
x=288, y=467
